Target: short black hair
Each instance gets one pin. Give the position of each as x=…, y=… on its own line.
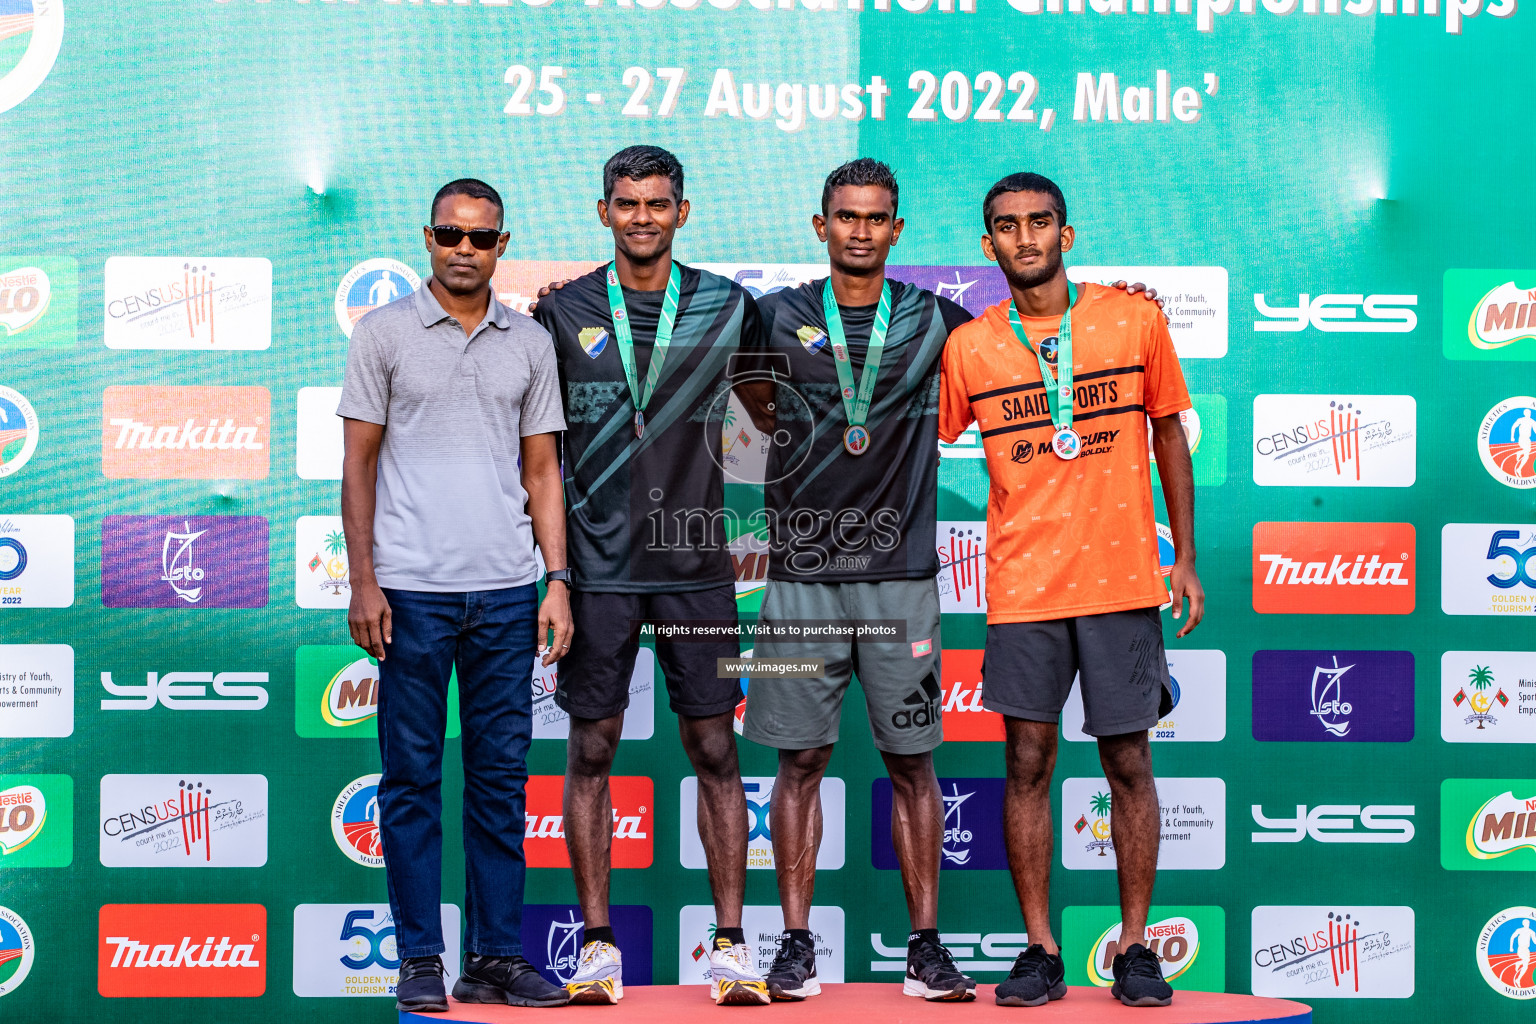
x=860, y=172
x=475, y=189
x=1024, y=181
x=640, y=162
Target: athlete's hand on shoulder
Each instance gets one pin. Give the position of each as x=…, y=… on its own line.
x=553, y=286
x=369, y=618
x=1185, y=583
x=555, y=614
x=1147, y=293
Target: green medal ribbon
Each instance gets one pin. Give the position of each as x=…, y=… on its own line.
x=1058, y=389
x=856, y=401
x=626, y=339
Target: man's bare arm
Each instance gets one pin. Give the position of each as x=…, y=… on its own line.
x=368, y=615
x=1178, y=477
x=546, y=507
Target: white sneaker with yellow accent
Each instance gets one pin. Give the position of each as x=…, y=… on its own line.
x=599, y=975
x=733, y=980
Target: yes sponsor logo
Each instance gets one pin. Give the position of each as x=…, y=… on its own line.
x=764, y=926
x=1490, y=314
x=974, y=952
x=1506, y=948
x=1488, y=569
x=634, y=822
x=964, y=717
x=17, y=951
x=1506, y=442
x=1194, y=301
x=517, y=282
x=973, y=816
x=188, y=691
x=37, y=561
x=320, y=442
x=553, y=935
x=1192, y=815
x=1191, y=941
x=1324, y=952
x=962, y=566
x=166, y=302
x=184, y=562
x=351, y=950
x=552, y=722
x=37, y=689
x=37, y=826
x=337, y=693
x=1488, y=696
x=19, y=431
x=1335, y=440
x=185, y=433
x=37, y=299
x=31, y=32
x=321, y=572
x=1197, y=683
x=355, y=821
x=1334, y=568
x=181, y=949
x=183, y=821
x=374, y=283
x=1333, y=696
x=1488, y=824
x=1337, y=823
x=759, y=793
x=1339, y=314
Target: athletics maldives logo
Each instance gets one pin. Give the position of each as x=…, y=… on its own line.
x=185, y=433
x=182, y=949
x=1333, y=568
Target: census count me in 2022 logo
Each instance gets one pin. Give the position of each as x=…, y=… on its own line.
x=1333, y=696
x=1333, y=952
x=199, y=303
x=349, y=950
x=183, y=821
x=1488, y=696
x=182, y=949
x=1334, y=568
x=1191, y=941
x=1488, y=824
x=37, y=821
x=553, y=934
x=1488, y=569
x=1490, y=314
x=1335, y=440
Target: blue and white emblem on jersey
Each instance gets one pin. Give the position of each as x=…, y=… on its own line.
x=593, y=341
x=813, y=338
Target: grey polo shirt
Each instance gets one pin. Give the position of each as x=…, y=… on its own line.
x=450, y=513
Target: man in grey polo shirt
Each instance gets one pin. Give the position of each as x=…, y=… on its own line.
x=452, y=409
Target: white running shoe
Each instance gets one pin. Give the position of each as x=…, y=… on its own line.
x=599, y=975
x=733, y=980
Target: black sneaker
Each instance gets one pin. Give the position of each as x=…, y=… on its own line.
x=793, y=974
x=1036, y=978
x=506, y=979
x=932, y=974
x=1139, y=978
x=420, y=988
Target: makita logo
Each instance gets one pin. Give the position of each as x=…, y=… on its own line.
x=1333, y=568
x=191, y=953
x=189, y=435
x=634, y=805
x=552, y=826
x=964, y=717
x=181, y=949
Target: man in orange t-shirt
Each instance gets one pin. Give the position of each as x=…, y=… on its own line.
x=1061, y=381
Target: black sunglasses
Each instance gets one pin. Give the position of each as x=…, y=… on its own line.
x=448, y=236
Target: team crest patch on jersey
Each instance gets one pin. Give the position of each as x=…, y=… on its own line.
x=813, y=338
x=593, y=340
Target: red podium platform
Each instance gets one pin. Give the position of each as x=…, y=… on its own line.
x=842, y=1004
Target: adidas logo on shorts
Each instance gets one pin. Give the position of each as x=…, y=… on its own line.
x=921, y=707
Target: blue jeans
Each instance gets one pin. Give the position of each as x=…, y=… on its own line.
x=490, y=636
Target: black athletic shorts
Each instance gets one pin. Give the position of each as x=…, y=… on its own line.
x=1028, y=667
x=594, y=675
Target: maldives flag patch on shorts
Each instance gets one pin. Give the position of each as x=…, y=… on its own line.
x=922, y=647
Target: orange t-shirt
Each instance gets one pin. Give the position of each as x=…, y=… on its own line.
x=1079, y=537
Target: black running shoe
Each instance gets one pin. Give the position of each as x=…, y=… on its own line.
x=1036, y=978
x=1139, y=978
x=506, y=979
x=793, y=974
x=420, y=988
x=932, y=974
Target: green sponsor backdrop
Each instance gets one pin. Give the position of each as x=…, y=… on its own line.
x=1333, y=155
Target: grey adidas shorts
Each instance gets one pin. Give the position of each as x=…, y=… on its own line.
x=900, y=678
x=1028, y=667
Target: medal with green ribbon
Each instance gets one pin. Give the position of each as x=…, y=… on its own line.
x=856, y=402
x=626, y=339
x=1058, y=386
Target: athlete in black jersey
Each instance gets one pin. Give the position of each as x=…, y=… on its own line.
x=851, y=500
x=645, y=349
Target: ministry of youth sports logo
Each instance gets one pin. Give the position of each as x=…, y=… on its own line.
x=1506, y=441
x=369, y=285
x=31, y=32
